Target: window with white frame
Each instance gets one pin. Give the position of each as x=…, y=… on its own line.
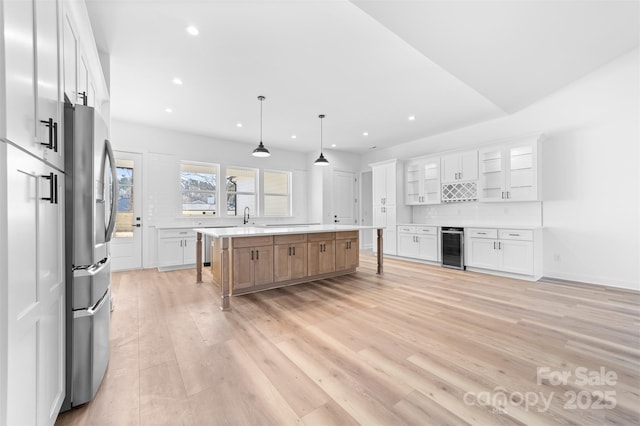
x=242, y=185
x=277, y=193
x=199, y=188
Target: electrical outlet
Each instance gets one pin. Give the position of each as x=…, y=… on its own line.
x=556, y=257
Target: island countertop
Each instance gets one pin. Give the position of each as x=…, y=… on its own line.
x=253, y=231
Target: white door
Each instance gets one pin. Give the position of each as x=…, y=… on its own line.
x=126, y=243
x=344, y=198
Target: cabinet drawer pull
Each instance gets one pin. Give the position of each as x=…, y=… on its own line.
x=514, y=235
x=294, y=250
x=251, y=254
x=494, y=245
x=481, y=233
x=257, y=254
x=289, y=251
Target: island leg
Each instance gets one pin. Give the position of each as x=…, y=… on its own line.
x=224, y=274
x=380, y=251
x=199, y=257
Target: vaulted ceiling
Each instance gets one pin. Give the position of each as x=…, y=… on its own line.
x=368, y=65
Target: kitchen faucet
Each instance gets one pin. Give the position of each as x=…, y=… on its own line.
x=246, y=215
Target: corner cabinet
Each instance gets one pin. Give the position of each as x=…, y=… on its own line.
x=509, y=172
x=176, y=249
x=388, y=209
x=422, y=181
x=252, y=260
x=347, y=250
x=510, y=251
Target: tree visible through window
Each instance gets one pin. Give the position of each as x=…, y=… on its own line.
x=241, y=191
x=198, y=184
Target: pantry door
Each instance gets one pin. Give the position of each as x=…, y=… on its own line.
x=344, y=198
x=126, y=244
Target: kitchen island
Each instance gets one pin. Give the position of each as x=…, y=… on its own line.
x=256, y=258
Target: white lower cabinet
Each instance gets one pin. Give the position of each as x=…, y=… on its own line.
x=514, y=251
x=418, y=242
x=176, y=249
x=32, y=301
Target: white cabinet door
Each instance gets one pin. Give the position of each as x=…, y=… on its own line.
x=390, y=233
x=48, y=122
x=521, y=180
x=70, y=60
x=482, y=253
x=407, y=245
x=468, y=166
x=170, y=252
x=516, y=257
x=189, y=251
x=431, y=181
x=450, y=168
x=460, y=167
x=36, y=290
x=428, y=247
x=19, y=71
x=509, y=173
x=413, y=183
x=379, y=185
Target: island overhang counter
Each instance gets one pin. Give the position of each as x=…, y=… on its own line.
x=255, y=258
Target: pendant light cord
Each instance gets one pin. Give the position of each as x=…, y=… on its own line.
x=261, y=99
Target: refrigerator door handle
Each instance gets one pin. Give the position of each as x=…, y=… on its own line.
x=92, y=270
x=114, y=191
x=91, y=311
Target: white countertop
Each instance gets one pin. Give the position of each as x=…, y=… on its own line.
x=251, y=231
x=468, y=224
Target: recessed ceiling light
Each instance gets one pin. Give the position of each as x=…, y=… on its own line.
x=365, y=133
x=373, y=147
x=293, y=136
x=238, y=124
x=168, y=110
x=412, y=117
x=177, y=81
x=333, y=145
x=192, y=30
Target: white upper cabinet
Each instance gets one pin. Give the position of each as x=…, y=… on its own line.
x=460, y=167
x=384, y=184
x=422, y=183
x=32, y=78
x=70, y=60
x=19, y=50
x=48, y=104
x=509, y=172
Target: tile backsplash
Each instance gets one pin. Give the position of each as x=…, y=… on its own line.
x=478, y=214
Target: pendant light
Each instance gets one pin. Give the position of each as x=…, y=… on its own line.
x=261, y=151
x=321, y=161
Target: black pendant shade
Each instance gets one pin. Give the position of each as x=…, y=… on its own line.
x=261, y=151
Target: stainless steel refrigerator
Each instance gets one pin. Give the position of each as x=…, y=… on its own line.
x=91, y=190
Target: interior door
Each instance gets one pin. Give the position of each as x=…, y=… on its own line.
x=126, y=243
x=344, y=199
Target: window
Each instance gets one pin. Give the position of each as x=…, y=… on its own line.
x=241, y=191
x=124, y=211
x=199, y=185
x=277, y=190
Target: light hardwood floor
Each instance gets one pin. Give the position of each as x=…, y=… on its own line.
x=419, y=345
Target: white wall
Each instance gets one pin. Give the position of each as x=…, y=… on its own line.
x=590, y=164
x=162, y=150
